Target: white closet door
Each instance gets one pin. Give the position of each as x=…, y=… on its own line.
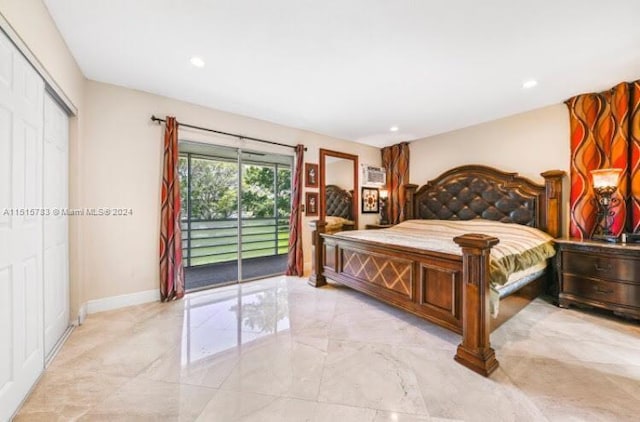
x=21, y=227
x=56, y=227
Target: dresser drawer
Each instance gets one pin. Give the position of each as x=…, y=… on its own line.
x=599, y=266
x=602, y=290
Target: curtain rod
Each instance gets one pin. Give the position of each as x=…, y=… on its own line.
x=159, y=120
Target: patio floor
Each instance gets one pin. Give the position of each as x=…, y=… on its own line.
x=226, y=272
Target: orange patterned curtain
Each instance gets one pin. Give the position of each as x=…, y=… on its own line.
x=171, y=271
x=295, y=260
x=634, y=158
x=605, y=133
x=395, y=159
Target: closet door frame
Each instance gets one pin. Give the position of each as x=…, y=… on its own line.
x=21, y=227
x=23, y=84
x=56, y=224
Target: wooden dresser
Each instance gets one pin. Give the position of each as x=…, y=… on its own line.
x=600, y=274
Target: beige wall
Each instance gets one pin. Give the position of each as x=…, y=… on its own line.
x=339, y=172
x=31, y=21
x=115, y=161
x=527, y=143
x=122, y=156
x=116, y=158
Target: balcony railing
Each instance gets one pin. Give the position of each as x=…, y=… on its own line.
x=214, y=241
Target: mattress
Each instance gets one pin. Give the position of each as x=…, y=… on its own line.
x=335, y=224
x=519, y=258
x=520, y=248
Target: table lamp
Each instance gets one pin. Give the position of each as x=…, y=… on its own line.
x=605, y=184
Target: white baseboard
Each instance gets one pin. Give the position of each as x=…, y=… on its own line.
x=82, y=314
x=58, y=346
x=116, y=302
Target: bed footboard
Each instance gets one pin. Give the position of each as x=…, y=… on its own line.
x=451, y=291
x=475, y=351
x=317, y=278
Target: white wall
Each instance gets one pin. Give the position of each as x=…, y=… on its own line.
x=122, y=160
x=528, y=143
x=30, y=19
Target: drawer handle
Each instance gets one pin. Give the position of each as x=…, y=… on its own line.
x=605, y=268
x=602, y=291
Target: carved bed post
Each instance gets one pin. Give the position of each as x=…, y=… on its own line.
x=475, y=351
x=553, y=221
x=410, y=190
x=553, y=200
x=317, y=278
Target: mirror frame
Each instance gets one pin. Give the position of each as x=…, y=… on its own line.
x=355, y=203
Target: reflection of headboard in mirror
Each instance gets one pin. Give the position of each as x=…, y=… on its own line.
x=345, y=176
x=338, y=202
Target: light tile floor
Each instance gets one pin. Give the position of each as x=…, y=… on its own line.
x=280, y=350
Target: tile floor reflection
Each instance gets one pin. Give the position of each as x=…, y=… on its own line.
x=280, y=350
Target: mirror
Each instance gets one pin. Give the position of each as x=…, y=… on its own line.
x=339, y=203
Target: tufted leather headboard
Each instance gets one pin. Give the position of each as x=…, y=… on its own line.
x=474, y=191
x=338, y=202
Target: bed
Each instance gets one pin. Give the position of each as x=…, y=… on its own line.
x=451, y=288
x=338, y=209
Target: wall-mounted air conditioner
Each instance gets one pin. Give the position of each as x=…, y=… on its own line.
x=373, y=176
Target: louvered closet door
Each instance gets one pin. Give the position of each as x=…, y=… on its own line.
x=56, y=239
x=21, y=306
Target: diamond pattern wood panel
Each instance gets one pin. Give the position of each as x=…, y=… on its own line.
x=384, y=271
x=330, y=256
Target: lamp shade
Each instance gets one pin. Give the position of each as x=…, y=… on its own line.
x=384, y=194
x=605, y=178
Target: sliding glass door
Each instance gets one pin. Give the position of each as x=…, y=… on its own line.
x=209, y=191
x=265, y=205
x=235, y=214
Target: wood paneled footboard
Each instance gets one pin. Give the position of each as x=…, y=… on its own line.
x=428, y=286
x=448, y=290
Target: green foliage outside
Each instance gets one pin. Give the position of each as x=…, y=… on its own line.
x=213, y=193
x=258, y=193
x=214, y=197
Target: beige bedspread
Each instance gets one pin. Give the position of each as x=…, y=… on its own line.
x=335, y=224
x=520, y=247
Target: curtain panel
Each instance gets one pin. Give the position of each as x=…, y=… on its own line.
x=171, y=271
x=395, y=159
x=295, y=261
x=605, y=133
x=634, y=159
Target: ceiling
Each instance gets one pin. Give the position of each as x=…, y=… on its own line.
x=352, y=69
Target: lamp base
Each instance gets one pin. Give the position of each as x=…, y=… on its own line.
x=606, y=238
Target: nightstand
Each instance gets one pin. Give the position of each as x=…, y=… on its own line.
x=377, y=226
x=600, y=274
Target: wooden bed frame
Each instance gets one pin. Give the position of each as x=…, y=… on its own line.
x=450, y=290
x=338, y=202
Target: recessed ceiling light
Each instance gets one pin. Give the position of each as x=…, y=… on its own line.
x=529, y=84
x=197, y=61
x=394, y=128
